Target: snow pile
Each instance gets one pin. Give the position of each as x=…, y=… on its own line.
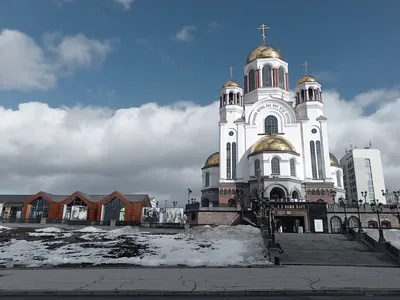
x=90, y=229
x=49, y=229
x=200, y=246
x=391, y=235
x=50, y=232
x=5, y=228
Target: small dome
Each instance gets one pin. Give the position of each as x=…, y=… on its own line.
x=264, y=51
x=212, y=160
x=230, y=83
x=272, y=143
x=306, y=78
x=333, y=160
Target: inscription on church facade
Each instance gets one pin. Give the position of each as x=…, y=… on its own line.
x=282, y=109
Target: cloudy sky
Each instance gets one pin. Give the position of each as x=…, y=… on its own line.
x=104, y=95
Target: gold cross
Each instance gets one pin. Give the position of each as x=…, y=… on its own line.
x=306, y=67
x=263, y=28
x=231, y=72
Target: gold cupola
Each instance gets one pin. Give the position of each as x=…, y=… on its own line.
x=264, y=51
x=230, y=83
x=333, y=160
x=306, y=77
x=212, y=161
x=272, y=143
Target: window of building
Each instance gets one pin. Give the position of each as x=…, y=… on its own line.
x=319, y=160
x=267, y=76
x=271, y=124
x=39, y=209
x=228, y=161
x=292, y=167
x=338, y=178
x=234, y=160
x=257, y=167
x=275, y=166
x=281, y=78
x=252, y=80
x=207, y=179
x=313, y=160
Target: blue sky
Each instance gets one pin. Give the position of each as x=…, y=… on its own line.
x=351, y=45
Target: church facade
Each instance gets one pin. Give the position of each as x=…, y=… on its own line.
x=271, y=139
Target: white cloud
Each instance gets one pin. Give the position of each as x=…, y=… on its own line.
x=126, y=4
x=186, y=33
x=25, y=65
x=158, y=150
x=213, y=25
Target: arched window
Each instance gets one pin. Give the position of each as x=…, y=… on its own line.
x=271, y=125
x=310, y=94
x=292, y=167
x=257, y=167
x=238, y=99
x=275, y=166
x=234, y=160
x=386, y=224
x=338, y=178
x=353, y=222
x=319, y=160
x=336, y=224
x=313, y=160
x=267, y=76
x=316, y=94
x=303, y=97
x=252, y=80
x=281, y=78
x=230, y=98
x=207, y=183
x=228, y=161
x=373, y=224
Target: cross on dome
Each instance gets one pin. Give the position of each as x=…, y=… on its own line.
x=306, y=67
x=230, y=73
x=263, y=28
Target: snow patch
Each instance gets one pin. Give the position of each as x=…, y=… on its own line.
x=49, y=230
x=90, y=229
x=391, y=235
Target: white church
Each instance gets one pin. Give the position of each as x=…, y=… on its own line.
x=270, y=138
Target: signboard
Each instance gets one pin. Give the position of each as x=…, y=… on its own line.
x=318, y=225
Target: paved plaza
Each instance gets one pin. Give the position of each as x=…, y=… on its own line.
x=234, y=281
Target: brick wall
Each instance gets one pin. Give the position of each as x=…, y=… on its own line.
x=216, y=217
x=365, y=217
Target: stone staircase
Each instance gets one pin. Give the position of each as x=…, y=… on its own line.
x=329, y=250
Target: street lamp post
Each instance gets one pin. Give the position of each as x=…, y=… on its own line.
x=189, y=193
x=343, y=204
x=364, y=194
x=394, y=208
x=358, y=204
x=378, y=208
x=333, y=195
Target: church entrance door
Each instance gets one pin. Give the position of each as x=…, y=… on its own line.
x=290, y=224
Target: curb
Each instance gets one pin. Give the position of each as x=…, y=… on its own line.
x=255, y=293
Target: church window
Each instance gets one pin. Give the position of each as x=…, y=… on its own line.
x=257, y=167
x=316, y=94
x=252, y=80
x=267, y=76
x=207, y=183
x=338, y=178
x=231, y=98
x=314, y=130
x=225, y=192
x=319, y=159
x=231, y=133
x=310, y=94
x=313, y=160
x=281, y=78
x=275, y=166
x=234, y=160
x=292, y=167
x=271, y=125
x=228, y=161
x=302, y=96
x=238, y=98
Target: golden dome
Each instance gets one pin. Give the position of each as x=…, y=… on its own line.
x=272, y=143
x=264, y=51
x=306, y=78
x=230, y=83
x=212, y=160
x=334, y=161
